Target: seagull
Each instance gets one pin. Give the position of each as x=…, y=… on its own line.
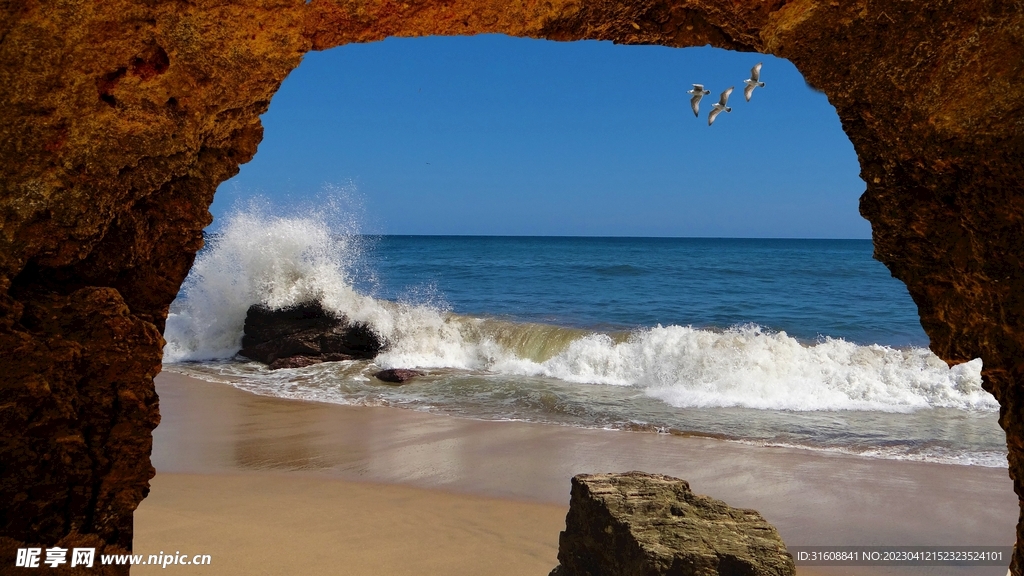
x=698, y=93
x=717, y=107
x=753, y=81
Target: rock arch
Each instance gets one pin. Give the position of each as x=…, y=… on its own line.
x=119, y=120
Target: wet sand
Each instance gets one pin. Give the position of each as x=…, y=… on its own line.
x=275, y=486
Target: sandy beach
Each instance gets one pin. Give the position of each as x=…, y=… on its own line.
x=276, y=486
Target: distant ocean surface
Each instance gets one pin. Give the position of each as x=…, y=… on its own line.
x=806, y=343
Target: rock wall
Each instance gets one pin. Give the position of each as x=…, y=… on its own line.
x=119, y=119
x=117, y=122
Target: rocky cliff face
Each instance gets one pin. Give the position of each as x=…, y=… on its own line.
x=119, y=119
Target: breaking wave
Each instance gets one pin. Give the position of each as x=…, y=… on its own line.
x=260, y=258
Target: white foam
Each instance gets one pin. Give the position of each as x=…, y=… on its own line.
x=746, y=367
x=984, y=459
x=279, y=261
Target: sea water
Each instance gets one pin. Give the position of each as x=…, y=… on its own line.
x=806, y=343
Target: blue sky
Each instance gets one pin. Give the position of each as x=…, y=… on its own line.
x=508, y=136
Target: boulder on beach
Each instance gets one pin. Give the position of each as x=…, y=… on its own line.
x=397, y=375
x=643, y=524
x=307, y=331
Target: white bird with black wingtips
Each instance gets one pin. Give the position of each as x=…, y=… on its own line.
x=698, y=93
x=719, y=106
x=753, y=82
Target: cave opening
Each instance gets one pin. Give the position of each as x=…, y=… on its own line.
x=111, y=175
x=559, y=206
x=550, y=235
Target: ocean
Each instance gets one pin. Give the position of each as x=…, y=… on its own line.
x=800, y=343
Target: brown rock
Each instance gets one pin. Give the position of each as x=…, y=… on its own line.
x=397, y=375
x=639, y=524
x=294, y=362
x=119, y=119
x=303, y=361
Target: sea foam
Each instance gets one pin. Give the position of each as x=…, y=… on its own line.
x=279, y=261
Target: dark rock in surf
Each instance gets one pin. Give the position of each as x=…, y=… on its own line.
x=648, y=524
x=294, y=362
x=397, y=375
x=305, y=331
x=336, y=357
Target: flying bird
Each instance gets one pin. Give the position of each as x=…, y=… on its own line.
x=698, y=93
x=717, y=107
x=753, y=82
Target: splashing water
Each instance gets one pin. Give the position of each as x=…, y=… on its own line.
x=281, y=261
x=259, y=258
x=500, y=368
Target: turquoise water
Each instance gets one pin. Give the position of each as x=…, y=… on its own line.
x=806, y=343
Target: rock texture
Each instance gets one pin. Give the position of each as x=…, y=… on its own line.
x=300, y=361
x=119, y=119
x=303, y=335
x=639, y=524
x=397, y=375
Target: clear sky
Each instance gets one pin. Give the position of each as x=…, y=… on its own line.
x=507, y=136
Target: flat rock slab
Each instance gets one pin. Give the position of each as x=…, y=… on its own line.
x=640, y=524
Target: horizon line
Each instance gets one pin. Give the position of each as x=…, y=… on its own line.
x=624, y=237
